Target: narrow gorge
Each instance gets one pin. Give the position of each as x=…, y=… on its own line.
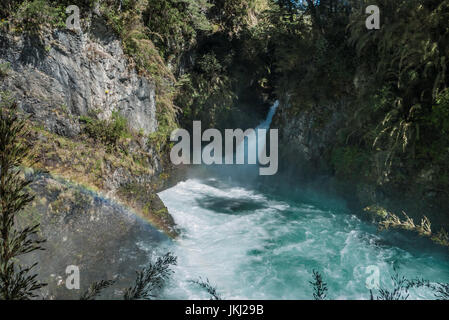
x=361, y=179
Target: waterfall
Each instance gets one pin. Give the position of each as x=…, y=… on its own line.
x=253, y=144
x=253, y=244
x=257, y=144
x=266, y=124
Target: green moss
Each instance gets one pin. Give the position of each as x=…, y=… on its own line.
x=83, y=161
x=58, y=206
x=161, y=213
x=4, y=69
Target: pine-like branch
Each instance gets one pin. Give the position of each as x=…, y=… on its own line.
x=151, y=278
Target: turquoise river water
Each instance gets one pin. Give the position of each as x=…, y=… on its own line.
x=253, y=244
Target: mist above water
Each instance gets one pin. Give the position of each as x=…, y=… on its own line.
x=256, y=244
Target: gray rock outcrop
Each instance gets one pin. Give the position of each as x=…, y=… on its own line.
x=62, y=75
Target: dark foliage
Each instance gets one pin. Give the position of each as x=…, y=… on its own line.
x=17, y=282
x=442, y=291
x=402, y=285
x=399, y=291
x=319, y=286
x=209, y=288
x=151, y=279
x=95, y=289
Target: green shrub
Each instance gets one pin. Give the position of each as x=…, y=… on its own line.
x=31, y=15
x=116, y=128
x=109, y=131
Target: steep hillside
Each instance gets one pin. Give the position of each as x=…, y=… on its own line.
x=93, y=115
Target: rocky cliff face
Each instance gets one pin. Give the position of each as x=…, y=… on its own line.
x=77, y=73
x=57, y=77
x=306, y=140
x=88, y=194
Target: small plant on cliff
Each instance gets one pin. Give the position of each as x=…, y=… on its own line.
x=387, y=220
x=16, y=281
x=32, y=15
x=109, y=131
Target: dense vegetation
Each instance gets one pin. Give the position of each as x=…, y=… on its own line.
x=394, y=81
x=223, y=61
x=386, y=90
x=217, y=61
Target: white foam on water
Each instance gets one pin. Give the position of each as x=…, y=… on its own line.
x=269, y=252
x=253, y=246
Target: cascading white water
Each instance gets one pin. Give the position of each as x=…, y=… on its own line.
x=254, y=245
x=256, y=145
x=266, y=124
